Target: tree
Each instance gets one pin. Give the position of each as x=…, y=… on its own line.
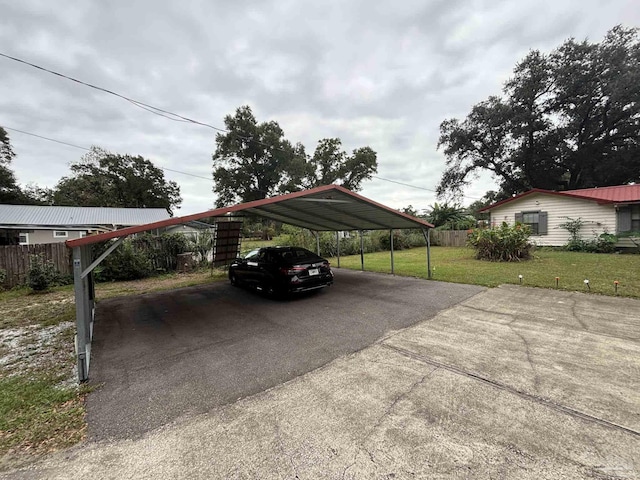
x=487, y=199
x=104, y=179
x=449, y=217
x=251, y=159
x=9, y=189
x=569, y=119
x=330, y=164
x=254, y=160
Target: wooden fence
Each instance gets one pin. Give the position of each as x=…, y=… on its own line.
x=15, y=260
x=449, y=238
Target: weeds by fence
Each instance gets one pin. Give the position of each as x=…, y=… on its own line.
x=15, y=260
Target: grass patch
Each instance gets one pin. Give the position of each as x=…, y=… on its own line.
x=38, y=416
x=247, y=245
x=168, y=281
x=458, y=265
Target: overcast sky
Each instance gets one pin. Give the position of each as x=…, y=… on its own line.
x=378, y=73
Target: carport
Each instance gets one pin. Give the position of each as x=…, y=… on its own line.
x=327, y=208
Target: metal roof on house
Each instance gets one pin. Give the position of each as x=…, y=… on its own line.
x=326, y=208
x=617, y=194
x=56, y=216
x=603, y=195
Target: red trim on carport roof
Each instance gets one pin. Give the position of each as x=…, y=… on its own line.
x=225, y=210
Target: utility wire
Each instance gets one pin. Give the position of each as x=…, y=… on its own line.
x=45, y=138
x=88, y=150
x=150, y=108
x=169, y=115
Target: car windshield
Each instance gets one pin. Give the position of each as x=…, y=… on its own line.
x=251, y=254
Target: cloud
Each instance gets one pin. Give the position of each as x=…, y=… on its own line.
x=383, y=74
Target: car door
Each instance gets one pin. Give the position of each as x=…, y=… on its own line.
x=260, y=268
x=246, y=267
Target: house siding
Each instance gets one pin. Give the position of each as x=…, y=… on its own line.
x=37, y=237
x=597, y=218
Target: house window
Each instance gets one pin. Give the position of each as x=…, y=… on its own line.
x=537, y=221
x=60, y=234
x=23, y=239
x=635, y=218
x=533, y=220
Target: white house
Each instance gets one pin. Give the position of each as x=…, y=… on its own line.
x=37, y=224
x=613, y=210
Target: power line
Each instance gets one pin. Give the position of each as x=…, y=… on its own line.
x=171, y=116
x=200, y=176
x=144, y=106
x=88, y=150
x=46, y=138
x=405, y=184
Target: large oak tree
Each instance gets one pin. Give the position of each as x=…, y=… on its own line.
x=566, y=120
x=254, y=160
x=104, y=179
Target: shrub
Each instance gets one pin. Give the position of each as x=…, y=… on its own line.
x=42, y=273
x=374, y=241
x=125, y=263
x=502, y=244
x=604, y=243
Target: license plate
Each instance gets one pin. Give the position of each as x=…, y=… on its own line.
x=314, y=271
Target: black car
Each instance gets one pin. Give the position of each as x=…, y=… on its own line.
x=281, y=270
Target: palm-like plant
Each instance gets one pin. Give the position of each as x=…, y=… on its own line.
x=449, y=216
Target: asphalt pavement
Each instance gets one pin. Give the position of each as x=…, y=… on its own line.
x=164, y=355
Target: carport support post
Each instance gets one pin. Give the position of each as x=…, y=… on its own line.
x=361, y=251
x=391, y=243
x=338, y=247
x=427, y=236
x=318, y=242
x=82, y=325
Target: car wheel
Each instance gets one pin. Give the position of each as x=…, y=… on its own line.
x=233, y=279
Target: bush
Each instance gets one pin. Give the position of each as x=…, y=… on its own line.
x=42, y=273
x=502, y=244
x=374, y=241
x=125, y=263
x=140, y=257
x=604, y=243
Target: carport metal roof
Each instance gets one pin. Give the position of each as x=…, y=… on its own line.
x=326, y=208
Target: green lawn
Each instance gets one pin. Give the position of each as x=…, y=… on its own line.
x=457, y=264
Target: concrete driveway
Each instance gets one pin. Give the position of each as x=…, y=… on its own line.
x=513, y=382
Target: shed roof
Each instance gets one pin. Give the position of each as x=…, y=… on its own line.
x=57, y=216
x=326, y=208
x=603, y=195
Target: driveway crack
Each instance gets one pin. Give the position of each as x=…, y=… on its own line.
x=576, y=316
x=362, y=444
x=536, y=379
